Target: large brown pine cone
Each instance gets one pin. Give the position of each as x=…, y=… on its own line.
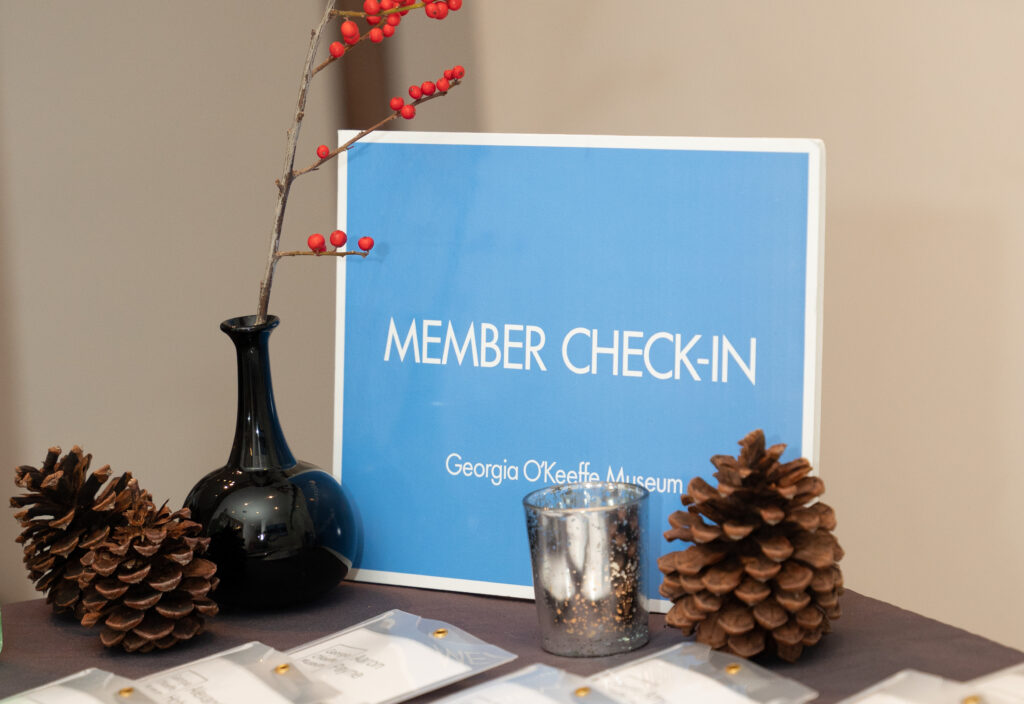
x=762, y=574
x=66, y=512
x=146, y=584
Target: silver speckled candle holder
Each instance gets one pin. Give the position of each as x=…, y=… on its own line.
x=586, y=545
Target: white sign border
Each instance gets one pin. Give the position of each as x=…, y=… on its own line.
x=813, y=293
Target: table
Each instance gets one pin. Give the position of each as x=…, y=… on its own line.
x=871, y=641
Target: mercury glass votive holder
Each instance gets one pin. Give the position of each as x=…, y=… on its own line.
x=588, y=556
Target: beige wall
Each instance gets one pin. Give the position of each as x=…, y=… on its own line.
x=138, y=147
x=139, y=143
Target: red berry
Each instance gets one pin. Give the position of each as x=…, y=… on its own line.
x=323, y=151
x=349, y=29
x=371, y=7
x=337, y=49
x=454, y=5
x=428, y=87
x=388, y=29
x=449, y=74
x=373, y=19
x=376, y=35
x=396, y=103
x=316, y=243
x=387, y=4
x=443, y=85
x=408, y=111
x=459, y=72
x=415, y=93
x=338, y=238
x=366, y=243
x=395, y=19
x=431, y=10
x=442, y=10
x=351, y=40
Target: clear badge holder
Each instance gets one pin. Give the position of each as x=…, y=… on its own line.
x=253, y=672
x=695, y=672
x=536, y=684
x=90, y=686
x=395, y=656
x=1001, y=687
x=913, y=687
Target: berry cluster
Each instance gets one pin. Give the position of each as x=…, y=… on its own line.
x=438, y=9
x=317, y=243
x=383, y=16
x=425, y=90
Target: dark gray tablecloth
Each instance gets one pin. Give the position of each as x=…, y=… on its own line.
x=871, y=641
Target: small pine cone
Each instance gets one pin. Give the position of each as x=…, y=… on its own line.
x=146, y=584
x=66, y=512
x=761, y=573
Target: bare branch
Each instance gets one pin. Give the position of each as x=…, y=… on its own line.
x=308, y=253
x=344, y=147
x=289, y=166
x=382, y=13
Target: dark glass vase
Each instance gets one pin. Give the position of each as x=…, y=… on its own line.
x=281, y=530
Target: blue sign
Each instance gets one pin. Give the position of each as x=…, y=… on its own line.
x=542, y=309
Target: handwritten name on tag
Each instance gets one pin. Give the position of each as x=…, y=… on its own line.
x=658, y=682
x=210, y=682
x=369, y=667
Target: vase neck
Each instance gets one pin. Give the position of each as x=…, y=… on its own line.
x=259, y=443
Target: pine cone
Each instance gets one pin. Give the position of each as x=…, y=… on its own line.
x=763, y=573
x=63, y=516
x=146, y=582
